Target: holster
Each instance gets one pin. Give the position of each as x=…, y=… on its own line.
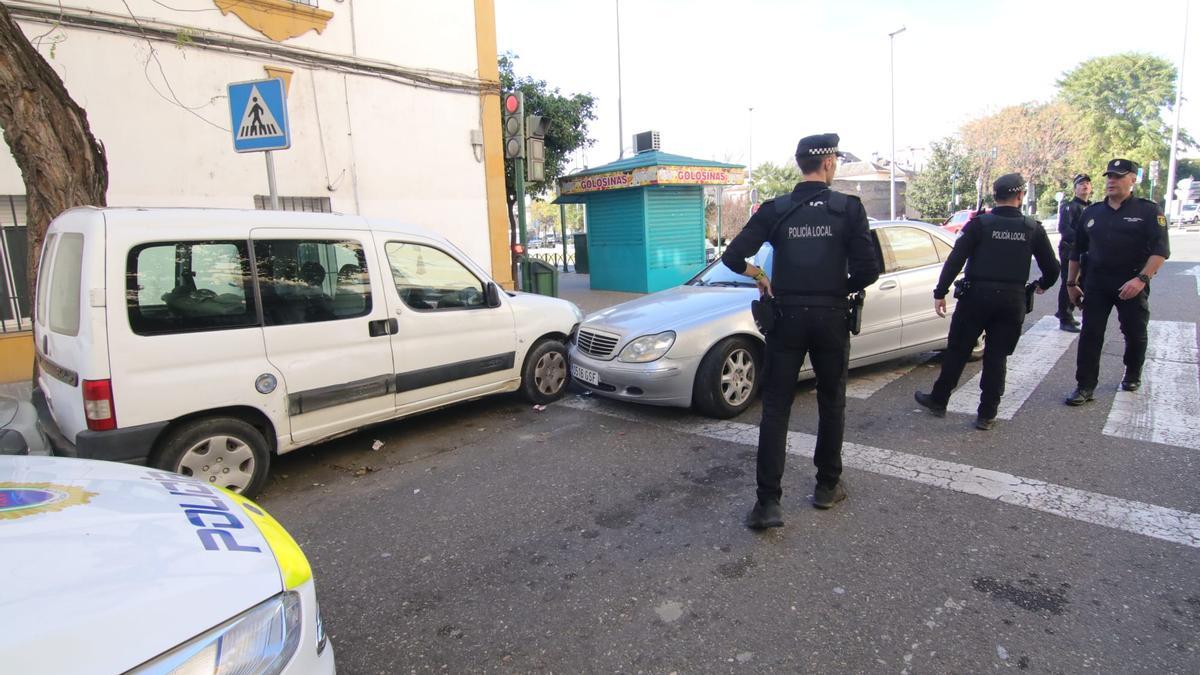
x=765, y=312
x=961, y=287
x=855, y=311
x=1030, y=288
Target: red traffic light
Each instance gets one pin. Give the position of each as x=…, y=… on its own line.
x=511, y=104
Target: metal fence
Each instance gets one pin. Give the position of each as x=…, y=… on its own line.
x=555, y=259
x=15, y=305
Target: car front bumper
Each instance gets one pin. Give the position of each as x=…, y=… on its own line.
x=665, y=382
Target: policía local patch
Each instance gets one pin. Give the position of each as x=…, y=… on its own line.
x=26, y=499
x=1162, y=220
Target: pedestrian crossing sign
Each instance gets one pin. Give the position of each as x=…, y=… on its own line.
x=258, y=113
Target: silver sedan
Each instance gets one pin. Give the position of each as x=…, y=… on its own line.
x=697, y=345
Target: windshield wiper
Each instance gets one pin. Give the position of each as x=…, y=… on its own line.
x=732, y=284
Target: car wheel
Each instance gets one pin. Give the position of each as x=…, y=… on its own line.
x=544, y=376
x=220, y=451
x=728, y=378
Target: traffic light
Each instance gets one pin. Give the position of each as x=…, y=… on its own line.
x=514, y=131
x=536, y=127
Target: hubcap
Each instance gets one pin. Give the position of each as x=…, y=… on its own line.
x=550, y=373
x=737, y=377
x=225, y=461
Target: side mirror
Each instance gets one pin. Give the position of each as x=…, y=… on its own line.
x=491, y=294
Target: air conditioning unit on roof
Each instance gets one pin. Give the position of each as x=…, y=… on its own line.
x=645, y=142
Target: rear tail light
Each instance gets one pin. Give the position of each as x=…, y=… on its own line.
x=98, y=405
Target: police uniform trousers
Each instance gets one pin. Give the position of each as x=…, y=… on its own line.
x=822, y=334
x=1101, y=293
x=997, y=313
x=1066, y=310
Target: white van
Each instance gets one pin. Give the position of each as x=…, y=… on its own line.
x=202, y=341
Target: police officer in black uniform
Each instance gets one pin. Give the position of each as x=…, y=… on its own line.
x=996, y=248
x=1125, y=241
x=1068, y=217
x=823, y=252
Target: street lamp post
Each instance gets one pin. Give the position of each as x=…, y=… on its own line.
x=620, y=103
x=892, y=50
x=1170, y=201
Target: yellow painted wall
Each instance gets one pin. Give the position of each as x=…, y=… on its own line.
x=493, y=143
x=16, y=357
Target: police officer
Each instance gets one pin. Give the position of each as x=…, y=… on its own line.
x=1068, y=217
x=996, y=248
x=823, y=252
x=1125, y=241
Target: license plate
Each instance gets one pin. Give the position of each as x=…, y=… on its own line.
x=589, y=376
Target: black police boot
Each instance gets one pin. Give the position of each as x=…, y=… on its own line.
x=1080, y=396
x=985, y=423
x=926, y=401
x=1131, y=382
x=764, y=515
x=1071, y=326
x=825, y=496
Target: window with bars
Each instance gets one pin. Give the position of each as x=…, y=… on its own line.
x=15, y=299
x=307, y=204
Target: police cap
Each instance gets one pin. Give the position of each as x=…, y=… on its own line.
x=1120, y=167
x=818, y=145
x=1081, y=178
x=1008, y=185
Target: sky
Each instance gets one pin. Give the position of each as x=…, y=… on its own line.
x=692, y=69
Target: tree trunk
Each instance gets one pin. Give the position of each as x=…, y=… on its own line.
x=62, y=164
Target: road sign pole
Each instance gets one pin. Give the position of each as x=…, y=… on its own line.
x=519, y=184
x=562, y=221
x=271, y=180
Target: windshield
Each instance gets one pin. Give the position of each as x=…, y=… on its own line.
x=960, y=218
x=717, y=274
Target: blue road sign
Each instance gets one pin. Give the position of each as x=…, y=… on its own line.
x=258, y=112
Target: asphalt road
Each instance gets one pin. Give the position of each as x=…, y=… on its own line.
x=602, y=537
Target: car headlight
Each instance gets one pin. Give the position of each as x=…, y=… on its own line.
x=262, y=639
x=648, y=348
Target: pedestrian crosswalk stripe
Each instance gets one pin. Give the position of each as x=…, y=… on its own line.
x=1159, y=522
x=1037, y=352
x=1167, y=407
x=865, y=382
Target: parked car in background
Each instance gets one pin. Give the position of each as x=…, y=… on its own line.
x=205, y=341
x=111, y=568
x=19, y=432
x=954, y=224
x=697, y=344
x=1189, y=213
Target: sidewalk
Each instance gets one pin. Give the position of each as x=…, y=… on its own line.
x=575, y=287
x=21, y=391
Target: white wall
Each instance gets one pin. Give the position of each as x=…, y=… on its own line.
x=409, y=148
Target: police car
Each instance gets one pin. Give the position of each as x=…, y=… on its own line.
x=112, y=568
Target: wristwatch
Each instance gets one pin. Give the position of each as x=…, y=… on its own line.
x=1144, y=277
x=760, y=275
x=1072, y=284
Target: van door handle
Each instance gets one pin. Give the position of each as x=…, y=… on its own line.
x=380, y=327
x=887, y=285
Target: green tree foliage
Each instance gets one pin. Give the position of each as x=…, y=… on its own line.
x=933, y=190
x=569, y=117
x=1039, y=140
x=1118, y=101
x=772, y=180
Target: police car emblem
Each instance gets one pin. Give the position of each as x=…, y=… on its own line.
x=26, y=499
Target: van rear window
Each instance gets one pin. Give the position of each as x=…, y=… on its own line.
x=189, y=286
x=65, y=287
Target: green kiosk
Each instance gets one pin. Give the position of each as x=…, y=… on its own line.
x=645, y=218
